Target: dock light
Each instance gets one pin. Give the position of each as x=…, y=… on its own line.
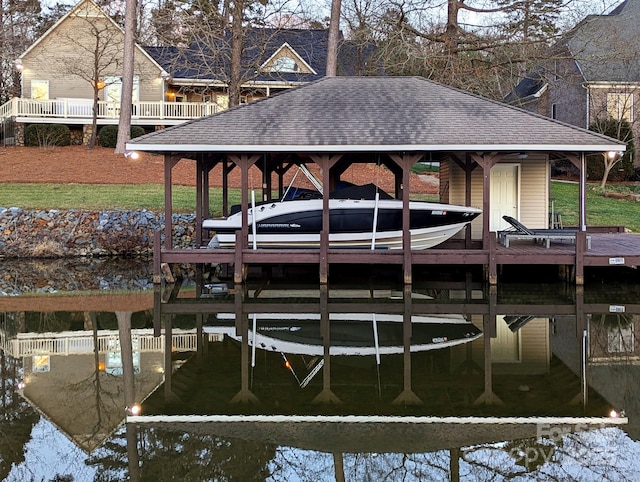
x=613, y=414
x=133, y=409
x=131, y=155
x=100, y=367
x=21, y=385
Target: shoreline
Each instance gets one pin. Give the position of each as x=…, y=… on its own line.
x=55, y=233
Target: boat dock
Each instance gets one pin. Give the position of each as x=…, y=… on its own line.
x=491, y=156
x=611, y=249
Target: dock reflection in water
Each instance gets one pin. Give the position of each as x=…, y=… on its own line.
x=301, y=383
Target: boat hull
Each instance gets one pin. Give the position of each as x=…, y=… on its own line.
x=352, y=224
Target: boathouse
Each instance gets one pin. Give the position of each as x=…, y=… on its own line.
x=492, y=156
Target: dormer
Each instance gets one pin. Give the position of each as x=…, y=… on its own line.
x=286, y=60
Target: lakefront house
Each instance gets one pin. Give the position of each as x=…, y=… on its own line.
x=61, y=72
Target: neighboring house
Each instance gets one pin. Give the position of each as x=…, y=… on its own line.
x=273, y=60
x=59, y=69
x=592, y=74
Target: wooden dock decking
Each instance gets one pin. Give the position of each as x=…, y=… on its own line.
x=607, y=249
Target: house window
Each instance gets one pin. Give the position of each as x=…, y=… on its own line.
x=620, y=106
x=554, y=111
x=40, y=89
x=113, y=89
x=285, y=64
x=620, y=339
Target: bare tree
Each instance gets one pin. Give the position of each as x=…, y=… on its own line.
x=18, y=21
x=124, y=127
x=334, y=35
x=223, y=42
x=482, y=47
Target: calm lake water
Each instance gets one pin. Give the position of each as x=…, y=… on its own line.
x=281, y=380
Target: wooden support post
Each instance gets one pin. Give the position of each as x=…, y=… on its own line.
x=406, y=223
x=493, y=268
x=200, y=188
x=157, y=258
x=407, y=396
x=486, y=161
x=581, y=247
x=323, y=269
x=225, y=187
x=168, y=359
x=238, y=268
x=242, y=237
x=169, y=162
x=326, y=222
x=157, y=311
x=581, y=320
x=326, y=162
x=406, y=161
x=491, y=329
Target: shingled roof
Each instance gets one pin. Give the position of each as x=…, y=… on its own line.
x=208, y=60
x=368, y=114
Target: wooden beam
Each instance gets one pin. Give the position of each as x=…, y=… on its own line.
x=326, y=162
x=244, y=161
x=406, y=161
x=201, y=188
x=579, y=161
x=486, y=160
x=169, y=162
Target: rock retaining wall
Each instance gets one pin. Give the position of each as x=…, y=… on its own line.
x=67, y=233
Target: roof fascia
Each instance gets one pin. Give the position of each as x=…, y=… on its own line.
x=612, y=85
x=480, y=148
x=218, y=83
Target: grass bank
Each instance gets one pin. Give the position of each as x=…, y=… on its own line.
x=601, y=211
x=103, y=196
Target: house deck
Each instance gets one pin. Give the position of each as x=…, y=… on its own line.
x=607, y=249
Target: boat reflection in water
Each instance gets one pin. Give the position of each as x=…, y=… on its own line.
x=351, y=333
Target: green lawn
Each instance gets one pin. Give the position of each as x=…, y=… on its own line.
x=104, y=196
x=601, y=211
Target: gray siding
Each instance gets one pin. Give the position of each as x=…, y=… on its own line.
x=64, y=58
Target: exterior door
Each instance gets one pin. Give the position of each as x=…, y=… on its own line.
x=505, y=198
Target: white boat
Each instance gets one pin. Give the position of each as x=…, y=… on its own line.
x=358, y=334
x=357, y=219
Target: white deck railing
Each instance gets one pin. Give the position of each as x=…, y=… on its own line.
x=75, y=343
x=83, y=109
